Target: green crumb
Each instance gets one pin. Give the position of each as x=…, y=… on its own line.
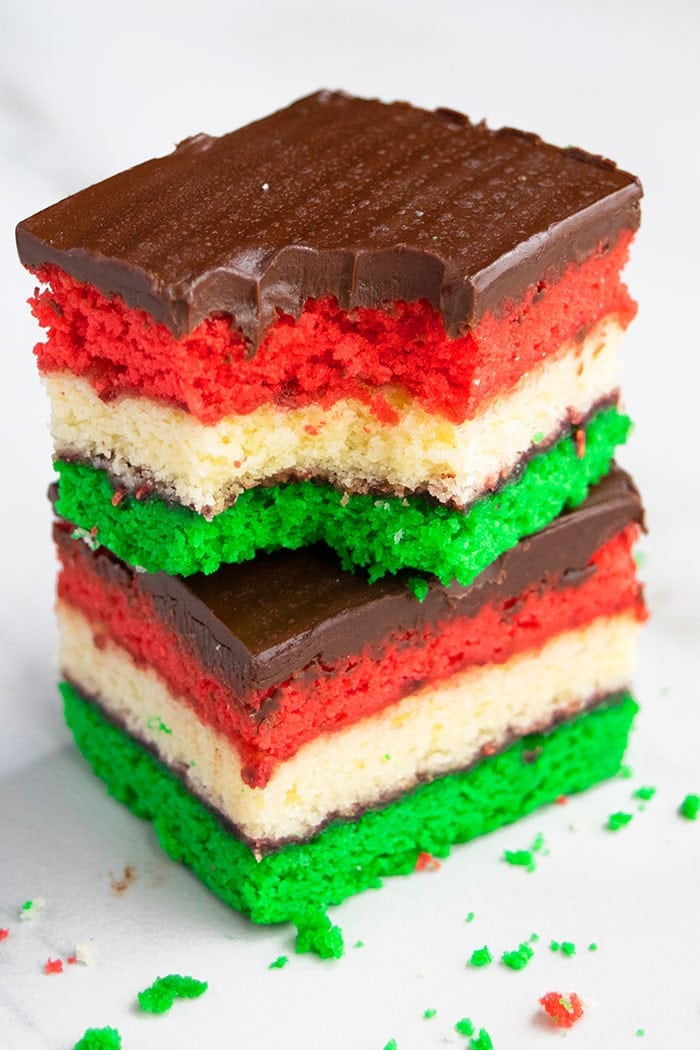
x=480, y=957
x=644, y=793
x=536, y=438
x=534, y=938
x=359, y=944
x=690, y=807
x=593, y=947
x=279, y=963
x=100, y=1039
x=519, y=957
x=157, y=723
x=418, y=587
x=525, y=858
x=161, y=995
x=391, y=1045
x=31, y=908
x=554, y=946
x=640, y=1031
x=470, y=917
x=618, y=820
x=482, y=1041
x=430, y=1012
x=387, y=758
x=521, y=858
x=465, y=1026
x=568, y=948
x=316, y=933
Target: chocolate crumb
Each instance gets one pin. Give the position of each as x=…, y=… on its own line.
x=121, y=885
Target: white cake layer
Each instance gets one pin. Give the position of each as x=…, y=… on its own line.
x=437, y=730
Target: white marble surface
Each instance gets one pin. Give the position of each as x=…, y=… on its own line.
x=88, y=89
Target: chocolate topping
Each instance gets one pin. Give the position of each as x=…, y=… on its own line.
x=338, y=196
x=257, y=623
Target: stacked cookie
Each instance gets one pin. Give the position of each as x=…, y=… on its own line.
x=347, y=568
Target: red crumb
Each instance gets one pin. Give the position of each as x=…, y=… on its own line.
x=141, y=491
x=118, y=497
x=561, y=800
x=309, y=428
x=53, y=966
x=565, y=1010
x=488, y=749
x=427, y=862
x=71, y=960
x=4, y=934
x=580, y=437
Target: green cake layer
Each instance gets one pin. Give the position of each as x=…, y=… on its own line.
x=381, y=535
x=349, y=857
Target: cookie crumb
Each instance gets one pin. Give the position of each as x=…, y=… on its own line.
x=565, y=1010
x=161, y=995
x=690, y=807
x=100, y=1039
x=519, y=957
x=618, y=820
x=316, y=933
x=30, y=909
x=480, y=957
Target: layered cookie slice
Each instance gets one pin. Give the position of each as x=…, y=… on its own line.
x=386, y=329
x=296, y=733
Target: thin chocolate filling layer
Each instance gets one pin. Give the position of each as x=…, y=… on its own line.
x=256, y=623
x=367, y=202
x=263, y=847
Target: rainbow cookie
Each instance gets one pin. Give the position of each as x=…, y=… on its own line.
x=350, y=322
x=296, y=733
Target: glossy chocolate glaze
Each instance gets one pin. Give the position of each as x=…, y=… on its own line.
x=335, y=195
x=257, y=623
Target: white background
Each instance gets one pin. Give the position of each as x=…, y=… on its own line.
x=88, y=89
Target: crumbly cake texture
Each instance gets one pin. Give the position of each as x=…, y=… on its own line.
x=379, y=534
x=349, y=857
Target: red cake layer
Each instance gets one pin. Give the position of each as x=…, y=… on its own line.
x=269, y=726
x=328, y=354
